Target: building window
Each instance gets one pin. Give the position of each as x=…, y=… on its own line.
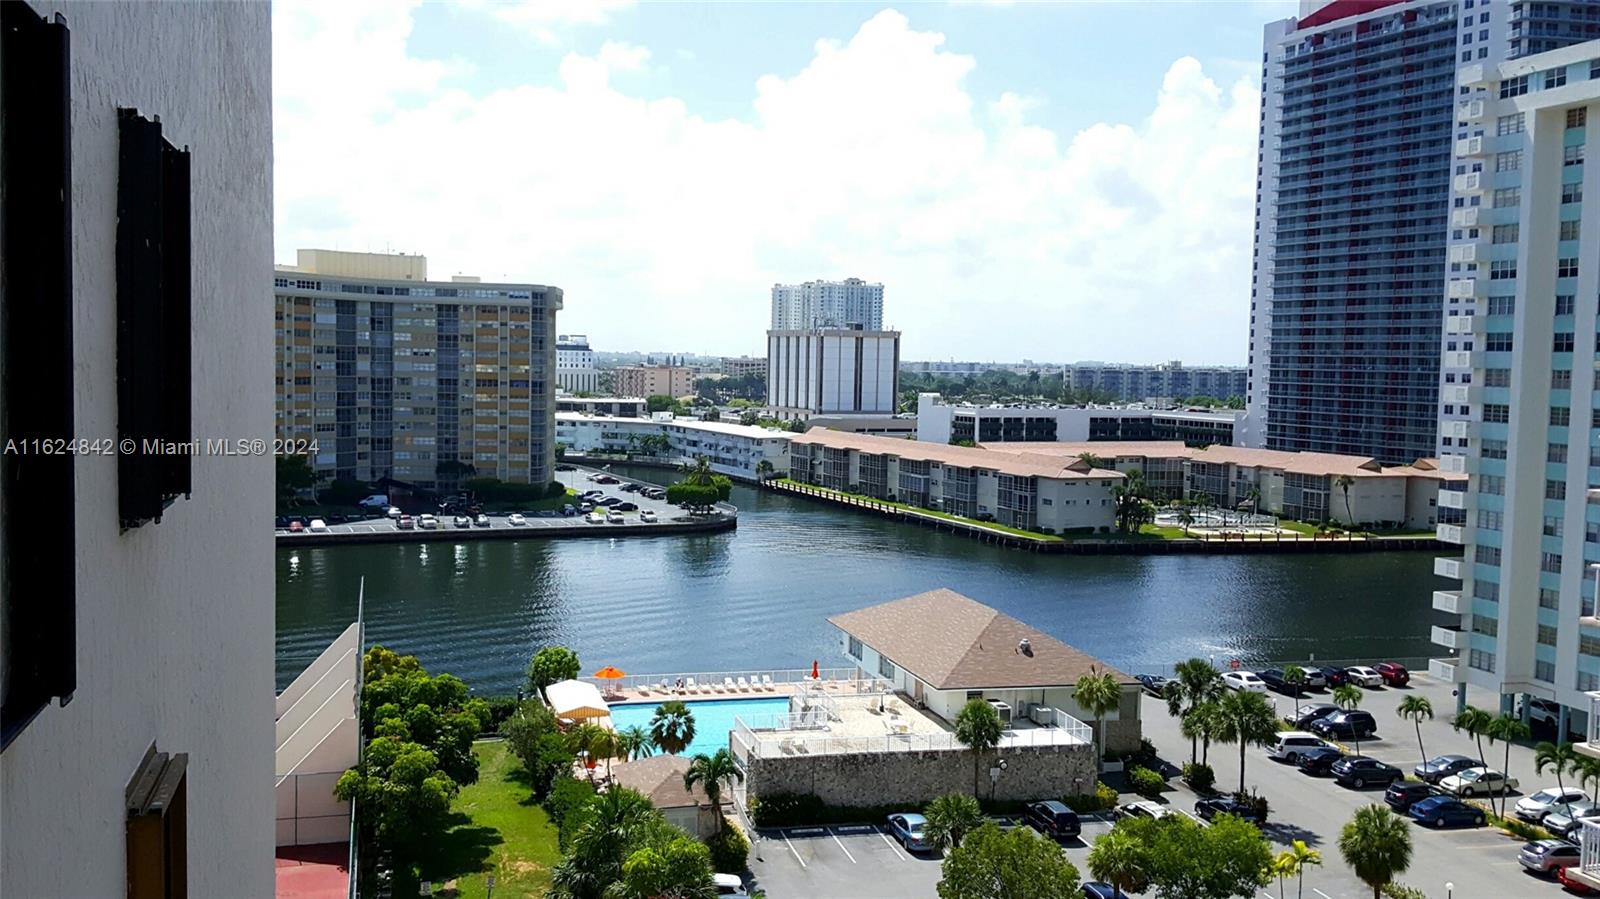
x=1567, y=267
x=1496, y=412
x=1508, y=161
x=1565, y=303
x=1505, y=198
x=1487, y=625
x=1488, y=519
x=1561, y=379
x=1555, y=489
x=1502, y=305
x=1561, y=342
x=1548, y=598
x=1514, y=87
x=886, y=667
x=1505, y=233
x=1509, y=124
x=855, y=648
x=1556, y=452
x=1498, y=342
x=1544, y=671
x=157, y=802
x=1481, y=660
x=1552, y=525
x=1589, y=646
x=1490, y=448
x=1546, y=635
x=1572, y=192
x=1578, y=117
x=1554, y=78
x=1486, y=590
x=1486, y=555
x=1572, y=154
x=1492, y=484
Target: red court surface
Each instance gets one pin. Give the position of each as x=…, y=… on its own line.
x=313, y=872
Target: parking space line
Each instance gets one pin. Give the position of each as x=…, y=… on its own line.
x=841, y=846
x=890, y=843
x=1321, y=893
x=792, y=849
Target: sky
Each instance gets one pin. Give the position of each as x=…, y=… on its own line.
x=1046, y=181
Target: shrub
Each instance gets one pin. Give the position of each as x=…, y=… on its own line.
x=1254, y=799
x=501, y=708
x=567, y=795
x=1200, y=777
x=1520, y=829
x=1146, y=783
x=1401, y=891
x=1103, y=799
x=730, y=850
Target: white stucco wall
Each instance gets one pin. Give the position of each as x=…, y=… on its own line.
x=175, y=620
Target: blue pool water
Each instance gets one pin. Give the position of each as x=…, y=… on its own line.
x=713, y=718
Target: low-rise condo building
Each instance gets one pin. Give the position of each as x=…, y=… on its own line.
x=652, y=380
x=735, y=450
x=942, y=422
x=618, y=406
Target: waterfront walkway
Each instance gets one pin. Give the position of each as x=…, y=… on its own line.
x=649, y=689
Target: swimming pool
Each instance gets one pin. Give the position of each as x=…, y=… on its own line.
x=713, y=718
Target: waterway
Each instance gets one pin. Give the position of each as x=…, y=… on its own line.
x=759, y=597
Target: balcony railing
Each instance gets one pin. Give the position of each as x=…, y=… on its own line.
x=800, y=735
x=1447, y=600
x=1449, y=637
x=1449, y=566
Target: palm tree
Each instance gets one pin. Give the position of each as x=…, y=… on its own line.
x=1185, y=515
x=1416, y=708
x=710, y=772
x=949, y=819
x=617, y=818
x=635, y=743
x=763, y=469
x=1588, y=770
x=1098, y=693
x=1193, y=683
x=1558, y=757
x=1474, y=721
x=1377, y=845
x=595, y=742
x=1292, y=862
x=1348, y=697
x=672, y=726
x=698, y=472
x=1295, y=675
x=1507, y=729
x=1247, y=719
x=978, y=728
x=1118, y=858
x=1344, y=482
x=1201, y=724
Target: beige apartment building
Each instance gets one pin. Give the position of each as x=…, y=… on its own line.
x=652, y=380
x=395, y=376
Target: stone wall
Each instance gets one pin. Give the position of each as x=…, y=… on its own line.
x=882, y=778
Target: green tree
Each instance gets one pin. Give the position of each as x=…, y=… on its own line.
x=608, y=829
x=978, y=727
x=1193, y=683
x=403, y=795
x=1344, y=482
x=401, y=701
x=1201, y=724
x=1348, y=697
x=950, y=818
x=1292, y=862
x=1474, y=722
x=672, y=726
x=1121, y=860
x=679, y=870
x=1416, y=708
x=1187, y=861
x=1508, y=729
x=1247, y=719
x=659, y=402
x=698, y=472
x=764, y=469
x=711, y=772
x=1376, y=844
x=1560, y=758
x=699, y=500
x=550, y=665
x=1097, y=693
x=594, y=742
x=1015, y=864
x=1295, y=676
x=635, y=743
x=1131, y=500
x=294, y=474
x=534, y=738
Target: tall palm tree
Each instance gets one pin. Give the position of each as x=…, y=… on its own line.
x=711, y=772
x=1098, y=693
x=1296, y=677
x=635, y=743
x=1292, y=862
x=698, y=472
x=672, y=726
x=1558, y=757
x=1348, y=697
x=1344, y=482
x=1416, y=708
x=616, y=820
x=949, y=819
x=1185, y=515
x=1508, y=729
x=593, y=741
x=1247, y=719
x=1201, y=724
x=1377, y=845
x=1475, y=722
x=1193, y=682
x=1118, y=858
x=978, y=728
x=1588, y=771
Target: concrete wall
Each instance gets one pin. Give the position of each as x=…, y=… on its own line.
x=877, y=778
x=175, y=620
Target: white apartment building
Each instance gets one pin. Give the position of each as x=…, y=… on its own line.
x=942, y=422
x=1526, y=273
x=827, y=304
x=575, y=371
x=834, y=371
x=618, y=406
x=136, y=709
x=733, y=449
x=740, y=366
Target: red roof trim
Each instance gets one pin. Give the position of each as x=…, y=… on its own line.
x=1342, y=9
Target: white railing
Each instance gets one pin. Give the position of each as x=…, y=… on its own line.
x=1589, y=852
x=814, y=738
x=714, y=679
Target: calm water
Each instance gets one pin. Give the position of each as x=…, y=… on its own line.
x=713, y=718
x=759, y=597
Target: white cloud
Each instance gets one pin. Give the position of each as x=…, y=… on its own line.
x=996, y=238
x=544, y=19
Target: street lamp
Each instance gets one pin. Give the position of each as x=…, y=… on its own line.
x=1449, y=890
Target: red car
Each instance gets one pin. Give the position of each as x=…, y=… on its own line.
x=1394, y=674
x=1572, y=885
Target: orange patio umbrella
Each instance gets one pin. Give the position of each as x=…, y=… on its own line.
x=610, y=672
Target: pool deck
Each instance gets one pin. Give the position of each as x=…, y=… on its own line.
x=654, y=695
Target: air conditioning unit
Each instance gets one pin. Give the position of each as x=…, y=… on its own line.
x=1042, y=715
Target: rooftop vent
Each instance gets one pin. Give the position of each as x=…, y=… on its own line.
x=1024, y=647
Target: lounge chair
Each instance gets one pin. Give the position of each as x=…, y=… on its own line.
x=727, y=685
x=766, y=681
x=744, y=685
x=662, y=687
x=688, y=685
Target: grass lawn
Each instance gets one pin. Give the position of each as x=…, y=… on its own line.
x=498, y=830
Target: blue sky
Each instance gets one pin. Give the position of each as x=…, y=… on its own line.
x=1052, y=181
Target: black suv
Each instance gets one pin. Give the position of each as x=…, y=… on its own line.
x=1353, y=724
x=1403, y=794
x=1336, y=677
x=1227, y=805
x=1052, y=818
x=1359, y=772
x=1319, y=761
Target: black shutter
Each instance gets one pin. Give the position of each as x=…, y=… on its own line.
x=38, y=596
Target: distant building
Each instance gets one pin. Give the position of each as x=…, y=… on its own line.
x=902, y=425
x=827, y=304
x=733, y=449
x=941, y=422
x=575, y=371
x=740, y=366
x=836, y=371
x=393, y=376
x=1171, y=380
x=652, y=380
x=616, y=406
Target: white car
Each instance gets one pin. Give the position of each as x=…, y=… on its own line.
x=462, y=521
x=728, y=885
x=394, y=512
x=647, y=515
x=1362, y=676
x=1144, y=808
x=481, y=521
x=427, y=522
x=1477, y=782
x=516, y=520
x=1244, y=680
x=595, y=517
x=318, y=526
x=615, y=518
x=1535, y=807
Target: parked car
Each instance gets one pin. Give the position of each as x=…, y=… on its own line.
x=1362, y=676
x=595, y=517
x=481, y=520
x=1544, y=856
x=1567, y=821
x=1360, y=771
x=375, y=501
x=1315, y=679
x=1154, y=684
x=728, y=885
x=569, y=509
x=318, y=526
x=647, y=515
x=564, y=467
x=1542, y=802
x=405, y=522
x=1394, y=674
x=1244, y=680
x=615, y=518
x=516, y=520
x=1477, y=782
x=1446, y=811
x=1094, y=889
x=1441, y=766
x=1571, y=884
x=1310, y=713
x=1403, y=794
x=909, y=829
x=1318, y=761
x=607, y=501
x=394, y=512
x=631, y=488
x=296, y=527
x=1291, y=744
x=1144, y=808
x=1542, y=711
x=548, y=513
x=1346, y=725
x=1274, y=679
x=1052, y=818
x=462, y=521
x=627, y=507
x=1227, y=805
x=427, y=522
x=1333, y=677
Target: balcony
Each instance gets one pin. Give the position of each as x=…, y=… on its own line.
x=1469, y=147
x=1458, y=324
x=1464, y=289
x=1447, y=671
x=1464, y=218
x=1450, y=533
x=1587, y=870
x=1457, y=359
x=1451, y=499
x=1455, y=393
x=1448, y=566
x=1471, y=111
x=1449, y=637
x=1469, y=183
x=1455, y=463
x=1591, y=746
x=1464, y=252
x=1456, y=428
x=1474, y=75
x=1448, y=600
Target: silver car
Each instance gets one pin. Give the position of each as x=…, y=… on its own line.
x=1566, y=820
x=1545, y=856
x=1534, y=807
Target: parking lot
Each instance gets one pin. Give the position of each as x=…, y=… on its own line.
x=847, y=862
